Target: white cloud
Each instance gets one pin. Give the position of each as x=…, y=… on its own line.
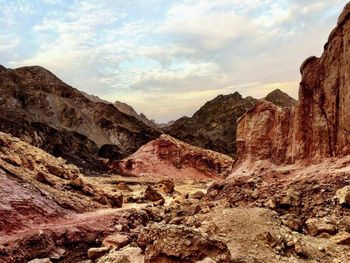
x=167, y=58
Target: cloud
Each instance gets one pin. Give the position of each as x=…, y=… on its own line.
x=167, y=57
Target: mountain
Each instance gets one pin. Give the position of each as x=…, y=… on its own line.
x=41, y=109
x=127, y=109
x=316, y=128
x=281, y=99
x=214, y=125
x=172, y=158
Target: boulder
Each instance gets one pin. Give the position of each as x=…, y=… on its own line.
x=97, y=252
x=116, y=241
x=343, y=195
x=172, y=243
x=151, y=194
x=126, y=255
x=167, y=186
x=197, y=195
x=317, y=227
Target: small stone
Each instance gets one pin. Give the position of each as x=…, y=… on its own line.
x=197, y=195
x=342, y=238
x=117, y=240
x=96, y=252
x=343, y=195
x=40, y=260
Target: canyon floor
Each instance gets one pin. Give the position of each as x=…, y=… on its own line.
x=294, y=213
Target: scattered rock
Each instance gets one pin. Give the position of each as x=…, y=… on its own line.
x=116, y=241
x=343, y=195
x=151, y=194
x=316, y=227
x=96, y=252
x=123, y=186
x=197, y=195
x=342, y=238
x=42, y=260
x=167, y=186
x=171, y=243
x=126, y=255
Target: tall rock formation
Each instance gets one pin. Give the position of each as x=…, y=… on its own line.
x=319, y=126
x=41, y=109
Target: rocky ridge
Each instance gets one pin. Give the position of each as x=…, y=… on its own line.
x=40, y=108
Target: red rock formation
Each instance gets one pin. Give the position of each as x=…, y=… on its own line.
x=319, y=126
x=167, y=156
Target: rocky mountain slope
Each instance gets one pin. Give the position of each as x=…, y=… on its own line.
x=43, y=110
x=214, y=126
x=172, y=158
x=280, y=98
x=127, y=109
x=319, y=126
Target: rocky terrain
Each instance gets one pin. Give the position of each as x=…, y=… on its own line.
x=169, y=157
x=284, y=198
x=214, y=125
x=43, y=110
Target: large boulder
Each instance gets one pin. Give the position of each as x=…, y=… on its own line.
x=172, y=243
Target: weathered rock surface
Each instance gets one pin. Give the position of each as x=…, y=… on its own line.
x=171, y=243
x=319, y=125
x=169, y=157
x=38, y=107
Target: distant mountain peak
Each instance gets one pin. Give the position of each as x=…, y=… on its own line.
x=281, y=99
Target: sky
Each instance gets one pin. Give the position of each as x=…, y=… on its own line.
x=166, y=58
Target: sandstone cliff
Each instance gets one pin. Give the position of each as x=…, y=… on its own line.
x=169, y=157
x=319, y=126
x=41, y=109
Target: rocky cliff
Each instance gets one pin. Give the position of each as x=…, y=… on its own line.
x=319, y=126
x=172, y=158
x=214, y=126
x=41, y=109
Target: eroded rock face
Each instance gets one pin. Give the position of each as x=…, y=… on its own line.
x=169, y=157
x=319, y=126
x=41, y=109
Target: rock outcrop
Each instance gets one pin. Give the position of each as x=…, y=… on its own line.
x=319, y=126
x=38, y=107
x=169, y=157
